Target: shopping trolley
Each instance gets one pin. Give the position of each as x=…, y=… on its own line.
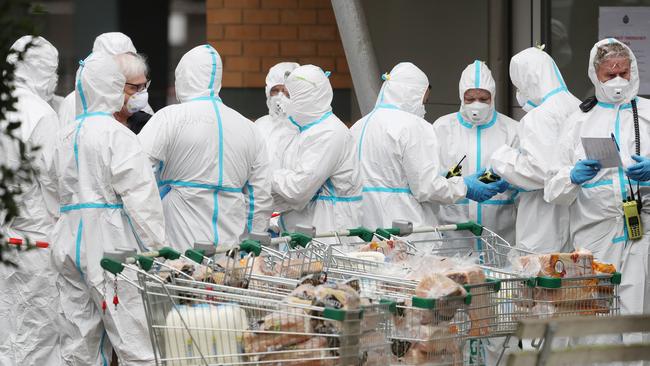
x=198, y=323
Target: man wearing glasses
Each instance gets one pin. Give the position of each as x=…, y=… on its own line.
x=135, y=111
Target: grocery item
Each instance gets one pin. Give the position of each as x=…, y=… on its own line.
x=201, y=320
x=313, y=352
x=280, y=325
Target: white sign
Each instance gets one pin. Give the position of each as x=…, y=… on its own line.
x=603, y=149
x=630, y=25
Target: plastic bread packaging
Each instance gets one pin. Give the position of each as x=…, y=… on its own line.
x=309, y=353
x=293, y=320
x=417, y=355
x=449, y=294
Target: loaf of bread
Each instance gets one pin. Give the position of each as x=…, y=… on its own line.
x=313, y=352
x=561, y=265
x=468, y=275
x=282, y=324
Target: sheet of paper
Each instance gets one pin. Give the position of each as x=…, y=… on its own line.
x=602, y=149
x=630, y=25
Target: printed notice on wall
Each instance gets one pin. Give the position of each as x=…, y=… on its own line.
x=630, y=25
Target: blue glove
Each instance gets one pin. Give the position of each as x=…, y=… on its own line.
x=584, y=170
x=641, y=170
x=501, y=185
x=477, y=190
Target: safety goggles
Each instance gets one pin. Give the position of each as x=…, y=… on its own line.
x=136, y=88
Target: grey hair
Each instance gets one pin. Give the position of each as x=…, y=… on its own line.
x=610, y=50
x=132, y=65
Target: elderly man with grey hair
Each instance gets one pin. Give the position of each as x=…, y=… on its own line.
x=135, y=111
x=603, y=198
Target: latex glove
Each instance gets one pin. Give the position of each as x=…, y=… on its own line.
x=641, y=170
x=477, y=190
x=501, y=185
x=584, y=170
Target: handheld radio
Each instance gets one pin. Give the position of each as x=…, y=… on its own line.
x=456, y=170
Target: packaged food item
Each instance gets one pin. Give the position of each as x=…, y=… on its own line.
x=312, y=352
x=280, y=325
x=562, y=265
x=303, y=294
x=337, y=296
x=437, y=285
x=203, y=320
x=448, y=294
x=466, y=275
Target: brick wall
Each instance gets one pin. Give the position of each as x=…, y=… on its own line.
x=253, y=35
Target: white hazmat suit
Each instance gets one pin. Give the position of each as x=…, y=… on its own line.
x=211, y=157
x=541, y=227
x=109, y=199
x=597, y=219
x=111, y=43
x=275, y=127
x=461, y=134
x=396, y=151
x=29, y=313
x=319, y=182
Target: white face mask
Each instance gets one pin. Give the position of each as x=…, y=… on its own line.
x=615, y=90
x=524, y=102
x=420, y=111
x=277, y=105
x=137, y=102
x=476, y=112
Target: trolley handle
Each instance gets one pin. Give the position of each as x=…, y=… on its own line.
x=115, y=264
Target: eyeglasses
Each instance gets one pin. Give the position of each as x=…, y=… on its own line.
x=136, y=88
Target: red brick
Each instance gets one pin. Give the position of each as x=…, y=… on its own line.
x=261, y=16
x=325, y=63
x=254, y=80
x=297, y=49
x=264, y=48
x=342, y=65
x=330, y=49
x=279, y=4
x=326, y=16
x=268, y=62
x=341, y=80
x=232, y=79
x=211, y=4
x=291, y=16
x=279, y=32
x=224, y=16
x=322, y=4
x=242, y=63
x=214, y=31
x=242, y=32
x=317, y=33
x=227, y=48
x=249, y=4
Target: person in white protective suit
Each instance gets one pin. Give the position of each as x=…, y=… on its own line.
x=275, y=127
x=476, y=131
x=112, y=43
x=211, y=157
x=29, y=314
x=396, y=149
x=541, y=227
x=108, y=199
x=596, y=194
x=319, y=183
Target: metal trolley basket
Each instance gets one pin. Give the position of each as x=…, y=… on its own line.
x=198, y=323
x=497, y=305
